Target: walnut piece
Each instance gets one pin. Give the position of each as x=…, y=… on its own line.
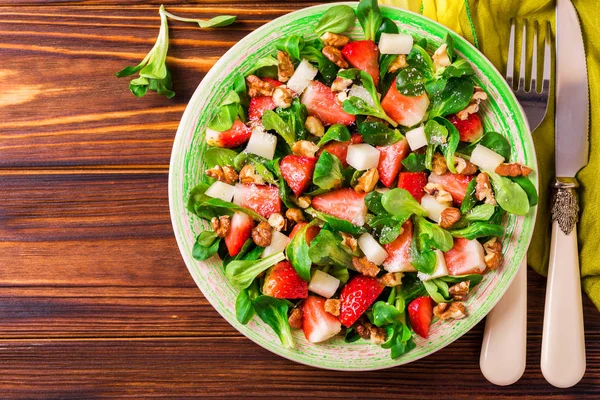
x=295, y=215
x=258, y=87
x=449, y=217
x=277, y=221
x=392, y=279
x=464, y=167
x=335, y=40
x=365, y=267
x=285, y=67
x=367, y=181
x=314, y=126
x=248, y=175
x=282, y=97
x=437, y=191
x=493, y=253
x=454, y=310
x=305, y=148
x=340, y=84
x=398, y=63
x=225, y=174
x=483, y=189
x=438, y=164
x=378, y=335
x=460, y=291
x=295, y=318
x=262, y=233
x=478, y=96
x=332, y=306
x=303, y=201
x=349, y=241
x=221, y=225
x=216, y=172
x=513, y=169
x=335, y=56
x=366, y=330
x=440, y=57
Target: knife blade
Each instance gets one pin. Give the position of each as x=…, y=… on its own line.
x=572, y=98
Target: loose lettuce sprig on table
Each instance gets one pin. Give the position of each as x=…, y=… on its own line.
x=153, y=72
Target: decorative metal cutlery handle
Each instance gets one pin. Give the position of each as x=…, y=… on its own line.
x=565, y=204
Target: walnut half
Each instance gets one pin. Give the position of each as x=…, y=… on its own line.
x=365, y=267
x=285, y=67
x=513, y=169
x=392, y=279
x=335, y=40
x=332, y=306
x=335, y=56
x=460, y=291
x=367, y=181
x=493, y=253
x=454, y=310
x=258, y=87
x=483, y=189
x=221, y=225
x=295, y=318
x=262, y=234
x=449, y=217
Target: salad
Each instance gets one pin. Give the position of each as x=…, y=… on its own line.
x=351, y=186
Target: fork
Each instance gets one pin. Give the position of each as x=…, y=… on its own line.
x=503, y=351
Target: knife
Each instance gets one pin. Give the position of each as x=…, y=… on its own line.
x=563, y=344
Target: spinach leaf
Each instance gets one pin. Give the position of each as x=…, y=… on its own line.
x=469, y=201
x=219, y=21
x=437, y=290
x=482, y=212
x=437, y=135
x=241, y=273
x=421, y=257
x=369, y=17
x=262, y=63
x=454, y=97
x=477, y=230
x=285, y=193
x=206, y=246
x=414, y=162
x=528, y=187
x=219, y=156
x=457, y=69
x=449, y=46
x=411, y=288
x=399, y=340
x=297, y=252
x=474, y=279
x=377, y=133
x=326, y=249
x=385, y=60
x=387, y=26
x=373, y=203
x=244, y=309
x=336, y=223
x=327, y=69
x=197, y=196
x=336, y=132
x=400, y=203
x=328, y=171
x=509, y=195
x=224, y=118
x=291, y=44
x=351, y=335
x=339, y=272
x=272, y=121
x=493, y=141
x=389, y=233
x=449, y=148
x=411, y=81
x=259, y=163
x=433, y=235
x=225, y=207
x=384, y=314
x=295, y=117
x=274, y=312
x=419, y=59
x=338, y=19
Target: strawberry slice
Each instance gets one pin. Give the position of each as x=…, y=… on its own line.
x=322, y=103
x=455, y=184
x=297, y=172
x=399, y=251
x=414, y=182
x=340, y=149
x=283, y=282
x=264, y=199
x=272, y=81
x=470, y=129
x=258, y=105
x=390, y=160
x=465, y=257
x=363, y=54
x=420, y=313
x=318, y=325
x=342, y=203
x=237, y=135
x=359, y=293
x=311, y=232
x=240, y=230
x=405, y=110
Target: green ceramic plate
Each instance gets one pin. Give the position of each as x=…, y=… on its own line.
x=502, y=114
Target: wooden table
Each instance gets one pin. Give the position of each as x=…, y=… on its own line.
x=95, y=299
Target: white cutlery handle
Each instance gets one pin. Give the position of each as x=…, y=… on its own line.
x=563, y=344
x=504, y=347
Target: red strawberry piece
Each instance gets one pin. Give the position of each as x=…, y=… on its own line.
x=240, y=230
x=455, y=184
x=283, y=282
x=311, y=232
x=465, y=257
x=363, y=54
x=470, y=129
x=297, y=172
x=318, y=325
x=342, y=203
x=355, y=138
x=258, y=105
x=399, y=251
x=420, y=313
x=414, y=182
x=237, y=135
x=390, y=161
x=264, y=199
x=322, y=103
x=358, y=295
x=272, y=81
x=405, y=110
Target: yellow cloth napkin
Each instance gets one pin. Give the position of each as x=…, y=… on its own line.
x=486, y=23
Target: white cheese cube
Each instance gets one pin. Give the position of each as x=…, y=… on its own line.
x=262, y=143
x=220, y=190
x=440, y=268
x=323, y=284
x=278, y=243
x=416, y=138
x=362, y=156
x=395, y=43
x=373, y=250
x=361, y=93
x=305, y=72
x=485, y=158
x=433, y=208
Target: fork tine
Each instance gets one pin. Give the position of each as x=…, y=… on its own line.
x=534, y=57
x=547, y=60
x=510, y=63
x=523, y=59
